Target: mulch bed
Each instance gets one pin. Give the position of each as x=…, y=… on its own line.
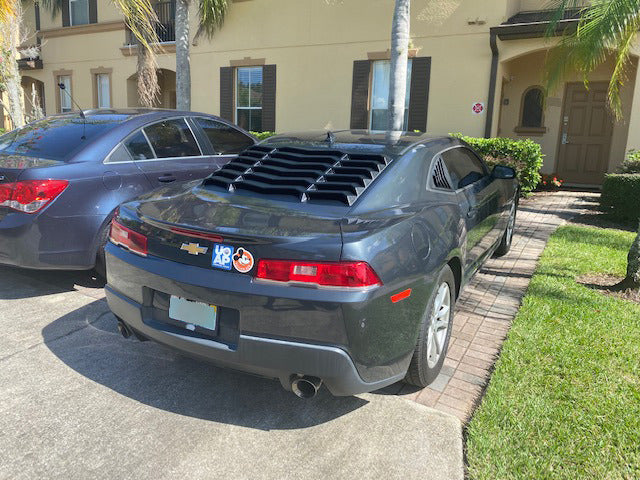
x=610, y=285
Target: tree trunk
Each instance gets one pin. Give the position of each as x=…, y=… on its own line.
x=148, y=87
x=12, y=84
x=633, y=267
x=183, y=65
x=400, y=32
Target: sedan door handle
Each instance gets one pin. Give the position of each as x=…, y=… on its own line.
x=168, y=178
x=472, y=212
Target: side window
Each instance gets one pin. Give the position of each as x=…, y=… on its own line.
x=172, y=138
x=224, y=138
x=464, y=167
x=120, y=154
x=138, y=147
x=440, y=176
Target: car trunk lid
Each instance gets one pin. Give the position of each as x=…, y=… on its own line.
x=232, y=232
x=12, y=166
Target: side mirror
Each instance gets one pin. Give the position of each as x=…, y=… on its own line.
x=503, y=172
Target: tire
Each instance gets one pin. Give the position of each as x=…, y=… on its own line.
x=426, y=363
x=507, y=238
x=101, y=263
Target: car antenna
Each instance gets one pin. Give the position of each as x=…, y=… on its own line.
x=331, y=138
x=63, y=87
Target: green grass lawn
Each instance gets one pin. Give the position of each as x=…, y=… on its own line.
x=564, y=400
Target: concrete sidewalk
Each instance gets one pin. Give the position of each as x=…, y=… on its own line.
x=77, y=401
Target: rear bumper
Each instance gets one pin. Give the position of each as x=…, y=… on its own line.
x=48, y=243
x=258, y=355
x=259, y=332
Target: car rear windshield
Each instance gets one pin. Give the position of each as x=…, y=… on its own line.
x=57, y=138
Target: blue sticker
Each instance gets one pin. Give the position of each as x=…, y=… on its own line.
x=222, y=256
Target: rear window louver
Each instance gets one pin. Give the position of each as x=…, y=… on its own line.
x=440, y=179
x=314, y=176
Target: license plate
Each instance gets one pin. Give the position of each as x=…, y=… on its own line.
x=193, y=313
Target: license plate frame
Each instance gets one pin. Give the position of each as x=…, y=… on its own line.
x=193, y=313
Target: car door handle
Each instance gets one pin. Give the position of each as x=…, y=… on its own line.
x=472, y=212
x=168, y=178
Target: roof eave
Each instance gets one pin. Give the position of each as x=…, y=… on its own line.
x=518, y=31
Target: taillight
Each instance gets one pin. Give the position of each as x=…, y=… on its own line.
x=127, y=238
x=325, y=274
x=30, y=196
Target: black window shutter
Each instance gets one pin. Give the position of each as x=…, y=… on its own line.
x=419, y=100
x=93, y=11
x=66, y=21
x=226, y=93
x=269, y=98
x=360, y=95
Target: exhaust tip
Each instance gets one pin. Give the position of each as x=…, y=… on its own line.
x=123, y=329
x=306, y=387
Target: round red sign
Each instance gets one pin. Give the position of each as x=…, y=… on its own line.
x=478, y=108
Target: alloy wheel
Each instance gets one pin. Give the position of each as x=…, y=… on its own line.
x=439, y=325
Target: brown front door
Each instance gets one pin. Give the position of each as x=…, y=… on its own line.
x=585, y=136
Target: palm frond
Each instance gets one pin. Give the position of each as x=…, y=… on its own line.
x=53, y=6
x=7, y=8
x=606, y=28
x=211, y=15
x=141, y=19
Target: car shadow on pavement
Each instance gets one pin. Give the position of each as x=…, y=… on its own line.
x=17, y=283
x=87, y=341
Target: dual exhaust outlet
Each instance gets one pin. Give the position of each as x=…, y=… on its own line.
x=302, y=386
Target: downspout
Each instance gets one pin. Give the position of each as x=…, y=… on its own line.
x=495, y=57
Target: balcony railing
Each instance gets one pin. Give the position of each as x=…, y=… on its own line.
x=166, y=27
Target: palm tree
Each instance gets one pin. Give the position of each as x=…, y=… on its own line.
x=141, y=20
x=211, y=15
x=7, y=7
x=399, y=62
x=607, y=28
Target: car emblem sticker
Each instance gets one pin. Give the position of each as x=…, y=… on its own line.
x=222, y=256
x=194, y=248
x=243, y=260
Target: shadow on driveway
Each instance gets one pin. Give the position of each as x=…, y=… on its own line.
x=87, y=341
x=20, y=283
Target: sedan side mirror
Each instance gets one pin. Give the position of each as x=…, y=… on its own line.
x=503, y=172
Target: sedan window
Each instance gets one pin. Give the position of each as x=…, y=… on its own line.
x=224, y=138
x=139, y=147
x=463, y=166
x=172, y=138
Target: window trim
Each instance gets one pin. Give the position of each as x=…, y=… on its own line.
x=124, y=140
x=235, y=91
x=532, y=131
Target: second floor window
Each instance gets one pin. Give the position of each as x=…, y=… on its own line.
x=79, y=12
x=65, y=95
x=379, y=114
x=249, y=98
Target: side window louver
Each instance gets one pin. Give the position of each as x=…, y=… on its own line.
x=309, y=175
x=440, y=177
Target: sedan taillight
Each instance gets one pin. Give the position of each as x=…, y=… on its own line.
x=127, y=238
x=325, y=274
x=30, y=196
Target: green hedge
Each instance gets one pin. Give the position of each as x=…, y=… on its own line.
x=631, y=164
x=621, y=197
x=262, y=135
x=525, y=156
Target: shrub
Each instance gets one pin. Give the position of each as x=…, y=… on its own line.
x=621, y=197
x=632, y=163
x=262, y=135
x=525, y=156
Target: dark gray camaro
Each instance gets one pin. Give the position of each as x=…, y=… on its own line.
x=318, y=257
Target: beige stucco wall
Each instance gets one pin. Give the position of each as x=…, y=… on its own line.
x=525, y=71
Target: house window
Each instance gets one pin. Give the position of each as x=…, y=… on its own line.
x=103, y=90
x=379, y=111
x=78, y=12
x=532, y=108
x=249, y=98
x=65, y=94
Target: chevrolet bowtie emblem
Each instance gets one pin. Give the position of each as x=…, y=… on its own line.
x=193, y=248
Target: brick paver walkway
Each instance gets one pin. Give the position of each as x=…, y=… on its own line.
x=488, y=305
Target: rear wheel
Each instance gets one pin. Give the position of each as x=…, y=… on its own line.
x=507, y=238
x=435, y=332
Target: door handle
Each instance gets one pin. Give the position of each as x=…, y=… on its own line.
x=565, y=139
x=472, y=212
x=168, y=178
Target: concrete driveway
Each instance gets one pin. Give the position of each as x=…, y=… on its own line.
x=79, y=401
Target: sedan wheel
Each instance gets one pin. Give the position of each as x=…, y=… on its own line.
x=505, y=244
x=435, y=332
